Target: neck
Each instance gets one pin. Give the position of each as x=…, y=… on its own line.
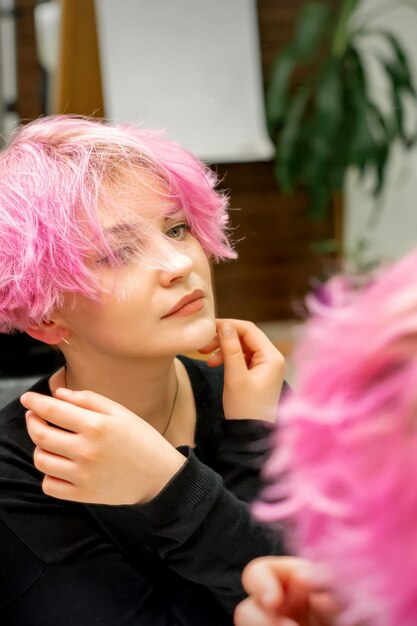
x=147, y=387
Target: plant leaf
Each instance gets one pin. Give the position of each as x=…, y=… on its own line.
x=326, y=246
x=278, y=90
x=398, y=72
x=311, y=24
x=322, y=132
x=340, y=41
x=383, y=130
x=396, y=99
x=361, y=144
x=399, y=64
x=327, y=112
x=288, y=138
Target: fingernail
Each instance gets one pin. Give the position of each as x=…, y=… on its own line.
x=226, y=329
x=23, y=398
x=63, y=391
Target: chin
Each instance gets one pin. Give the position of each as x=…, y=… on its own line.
x=197, y=335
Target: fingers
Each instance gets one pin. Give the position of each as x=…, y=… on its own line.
x=226, y=343
x=231, y=348
x=49, y=438
x=54, y=451
x=265, y=578
x=211, y=346
x=325, y=607
x=293, y=587
x=250, y=613
x=72, y=410
x=243, y=344
x=54, y=411
x=253, y=343
x=58, y=488
x=226, y=340
x=53, y=465
x=253, y=339
x=268, y=577
x=92, y=401
x=216, y=358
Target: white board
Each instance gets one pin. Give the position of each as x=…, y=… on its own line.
x=190, y=67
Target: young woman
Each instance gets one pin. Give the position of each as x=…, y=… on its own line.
x=125, y=504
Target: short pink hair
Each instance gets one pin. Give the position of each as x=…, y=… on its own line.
x=344, y=468
x=53, y=177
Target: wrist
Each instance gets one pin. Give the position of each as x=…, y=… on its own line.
x=165, y=470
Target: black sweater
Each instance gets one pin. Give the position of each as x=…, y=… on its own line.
x=176, y=560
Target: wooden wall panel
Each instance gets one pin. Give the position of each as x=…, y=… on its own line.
x=29, y=73
x=276, y=263
x=79, y=87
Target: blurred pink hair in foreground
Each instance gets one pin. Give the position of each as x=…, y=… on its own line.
x=343, y=474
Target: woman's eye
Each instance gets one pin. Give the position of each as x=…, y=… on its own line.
x=178, y=231
x=121, y=256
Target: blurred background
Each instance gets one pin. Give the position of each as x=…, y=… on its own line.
x=211, y=74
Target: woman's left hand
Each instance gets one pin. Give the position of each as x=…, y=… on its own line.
x=253, y=370
x=94, y=450
x=284, y=591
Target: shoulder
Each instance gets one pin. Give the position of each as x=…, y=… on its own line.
x=28, y=518
x=14, y=439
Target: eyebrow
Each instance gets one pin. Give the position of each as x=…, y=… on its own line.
x=130, y=228
x=121, y=229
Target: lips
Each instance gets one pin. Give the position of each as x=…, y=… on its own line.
x=195, y=296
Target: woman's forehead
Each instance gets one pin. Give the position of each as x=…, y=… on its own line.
x=135, y=201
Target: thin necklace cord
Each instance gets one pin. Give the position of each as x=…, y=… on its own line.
x=172, y=408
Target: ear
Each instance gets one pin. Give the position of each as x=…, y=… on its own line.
x=49, y=332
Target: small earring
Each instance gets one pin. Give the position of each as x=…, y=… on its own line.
x=65, y=341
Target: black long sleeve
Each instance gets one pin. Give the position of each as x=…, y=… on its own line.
x=206, y=534
x=176, y=561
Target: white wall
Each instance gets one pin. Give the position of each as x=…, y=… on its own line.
x=393, y=229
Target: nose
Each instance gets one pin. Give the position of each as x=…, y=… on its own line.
x=177, y=267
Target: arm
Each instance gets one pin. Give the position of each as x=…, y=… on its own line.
x=198, y=524
x=204, y=533
x=91, y=585
x=253, y=378
x=97, y=587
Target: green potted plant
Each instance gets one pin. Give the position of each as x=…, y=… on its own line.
x=328, y=123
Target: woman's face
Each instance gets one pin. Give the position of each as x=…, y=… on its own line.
x=148, y=310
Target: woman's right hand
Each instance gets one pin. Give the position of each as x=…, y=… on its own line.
x=94, y=450
x=253, y=370
x=283, y=591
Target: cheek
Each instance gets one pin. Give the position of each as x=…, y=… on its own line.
x=203, y=267
x=116, y=309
